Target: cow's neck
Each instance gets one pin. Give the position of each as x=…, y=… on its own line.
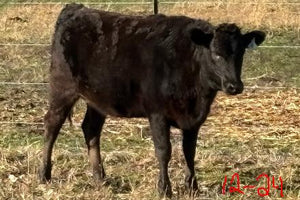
x=207, y=80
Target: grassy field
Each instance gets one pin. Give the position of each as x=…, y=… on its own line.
x=237, y=138
x=253, y=133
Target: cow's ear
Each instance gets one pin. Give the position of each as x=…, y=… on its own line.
x=199, y=37
x=253, y=39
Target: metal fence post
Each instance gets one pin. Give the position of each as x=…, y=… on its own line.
x=155, y=6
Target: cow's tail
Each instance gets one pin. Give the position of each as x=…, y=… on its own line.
x=70, y=115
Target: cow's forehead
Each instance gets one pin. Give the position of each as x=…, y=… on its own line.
x=226, y=39
x=227, y=33
x=228, y=28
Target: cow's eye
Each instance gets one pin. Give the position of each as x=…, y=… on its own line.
x=217, y=57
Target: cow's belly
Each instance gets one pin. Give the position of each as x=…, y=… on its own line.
x=114, y=105
x=189, y=122
x=190, y=118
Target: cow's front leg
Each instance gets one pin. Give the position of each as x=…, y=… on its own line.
x=161, y=138
x=189, y=148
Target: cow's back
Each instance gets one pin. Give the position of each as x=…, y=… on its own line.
x=122, y=62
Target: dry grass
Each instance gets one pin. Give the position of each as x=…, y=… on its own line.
x=250, y=134
x=35, y=23
x=251, y=14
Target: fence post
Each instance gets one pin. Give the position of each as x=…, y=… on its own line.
x=155, y=6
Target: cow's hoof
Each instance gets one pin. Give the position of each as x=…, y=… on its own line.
x=44, y=175
x=167, y=193
x=99, y=175
x=164, y=189
x=191, y=185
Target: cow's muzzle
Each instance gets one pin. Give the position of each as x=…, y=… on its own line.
x=233, y=88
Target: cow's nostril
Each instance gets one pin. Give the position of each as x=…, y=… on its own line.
x=231, y=88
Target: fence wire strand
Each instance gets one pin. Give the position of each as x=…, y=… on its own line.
x=18, y=84
x=46, y=84
x=48, y=45
x=140, y=126
x=149, y=2
x=86, y=3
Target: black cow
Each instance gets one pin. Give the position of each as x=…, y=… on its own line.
x=168, y=69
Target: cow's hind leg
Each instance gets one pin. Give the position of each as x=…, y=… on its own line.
x=161, y=138
x=60, y=106
x=92, y=126
x=189, y=148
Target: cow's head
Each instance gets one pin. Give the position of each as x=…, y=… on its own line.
x=226, y=47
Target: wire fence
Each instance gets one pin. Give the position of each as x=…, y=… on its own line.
x=149, y=3
x=155, y=4
x=45, y=84
x=142, y=126
x=48, y=44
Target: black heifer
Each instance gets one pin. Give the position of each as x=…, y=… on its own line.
x=167, y=69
